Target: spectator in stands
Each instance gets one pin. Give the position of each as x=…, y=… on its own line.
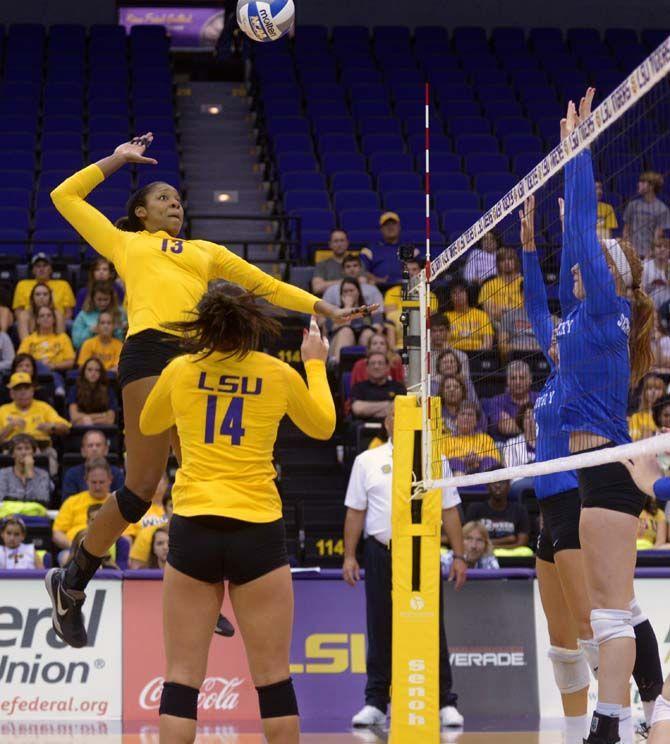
x=92, y=401
x=606, y=221
x=46, y=345
x=477, y=548
x=42, y=271
x=159, y=549
x=516, y=333
x=72, y=516
x=481, y=263
x=381, y=262
x=25, y=363
x=504, y=291
x=451, y=362
x=378, y=343
x=471, y=328
x=103, y=298
x=6, y=315
x=520, y=450
x=656, y=272
x=7, y=352
x=25, y=415
x=356, y=331
x=140, y=552
x=453, y=391
x=40, y=296
x=329, y=272
x=352, y=268
x=103, y=345
x=647, y=216
x=393, y=298
x=23, y=481
x=15, y=554
x=101, y=270
x=660, y=346
x=506, y=521
x=652, y=531
x=94, y=446
x=370, y=399
x=469, y=450
x=502, y=410
x=368, y=503
x=641, y=424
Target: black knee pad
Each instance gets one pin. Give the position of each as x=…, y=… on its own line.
x=277, y=700
x=179, y=700
x=647, y=672
x=131, y=506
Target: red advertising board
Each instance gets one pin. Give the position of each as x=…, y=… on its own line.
x=227, y=693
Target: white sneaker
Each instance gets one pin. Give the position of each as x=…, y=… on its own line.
x=449, y=716
x=368, y=715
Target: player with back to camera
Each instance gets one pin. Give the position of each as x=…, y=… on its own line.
x=227, y=400
x=165, y=277
x=605, y=348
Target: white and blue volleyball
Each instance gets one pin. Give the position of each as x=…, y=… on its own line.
x=265, y=20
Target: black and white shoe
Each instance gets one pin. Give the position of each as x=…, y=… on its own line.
x=66, y=604
x=224, y=627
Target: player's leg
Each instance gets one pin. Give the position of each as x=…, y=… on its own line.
x=264, y=611
x=608, y=547
x=647, y=672
x=342, y=336
x=146, y=458
x=190, y=610
x=569, y=663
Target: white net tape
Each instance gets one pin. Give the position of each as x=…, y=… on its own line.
x=654, y=446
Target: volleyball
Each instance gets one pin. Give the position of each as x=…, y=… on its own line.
x=265, y=21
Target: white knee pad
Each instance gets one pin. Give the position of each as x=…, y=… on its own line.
x=571, y=670
x=661, y=710
x=610, y=624
x=638, y=616
x=590, y=648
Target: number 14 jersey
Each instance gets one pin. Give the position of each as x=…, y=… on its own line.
x=227, y=412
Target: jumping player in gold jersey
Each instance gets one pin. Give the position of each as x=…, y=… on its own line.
x=227, y=400
x=165, y=277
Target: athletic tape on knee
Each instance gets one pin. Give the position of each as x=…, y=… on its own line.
x=661, y=710
x=638, y=615
x=277, y=700
x=610, y=624
x=131, y=506
x=571, y=670
x=179, y=700
x=590, y=648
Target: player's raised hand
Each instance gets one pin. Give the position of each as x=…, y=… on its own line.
x=344, y=314
x=585, y=104
x=133, y=151
x=314, y=346
x=561, y=211
x=527, y=220
x=570, y=121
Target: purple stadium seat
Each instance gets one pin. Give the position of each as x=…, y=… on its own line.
x=345, y=200
x=350, y=181
x=390, y=162
x=298, y=200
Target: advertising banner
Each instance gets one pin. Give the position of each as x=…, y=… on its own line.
x=652, y=595
x=41, y=677
x=187, y=26
x=327, y=656
x=492, y=648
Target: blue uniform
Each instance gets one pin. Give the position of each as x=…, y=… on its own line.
x=552, y=441
x=593, y=337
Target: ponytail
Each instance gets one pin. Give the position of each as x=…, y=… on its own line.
x=227, y=320
x=642, y=319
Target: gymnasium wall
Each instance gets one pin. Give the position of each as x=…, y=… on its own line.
x=57, y=11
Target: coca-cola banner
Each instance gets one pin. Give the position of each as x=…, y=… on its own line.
x=41, y=677
x=327, y=656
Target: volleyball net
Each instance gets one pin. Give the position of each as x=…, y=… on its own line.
x=482, y=365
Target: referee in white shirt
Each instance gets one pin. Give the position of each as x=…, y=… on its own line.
x=368, y=503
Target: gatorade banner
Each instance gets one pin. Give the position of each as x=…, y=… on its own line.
x=41, y=677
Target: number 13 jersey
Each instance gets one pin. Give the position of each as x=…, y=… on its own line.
x=227, y=412
x=165, y=277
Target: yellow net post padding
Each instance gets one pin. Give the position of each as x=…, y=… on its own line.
x=415, y=556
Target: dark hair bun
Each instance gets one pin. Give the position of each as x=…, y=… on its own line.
x=123, y=223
